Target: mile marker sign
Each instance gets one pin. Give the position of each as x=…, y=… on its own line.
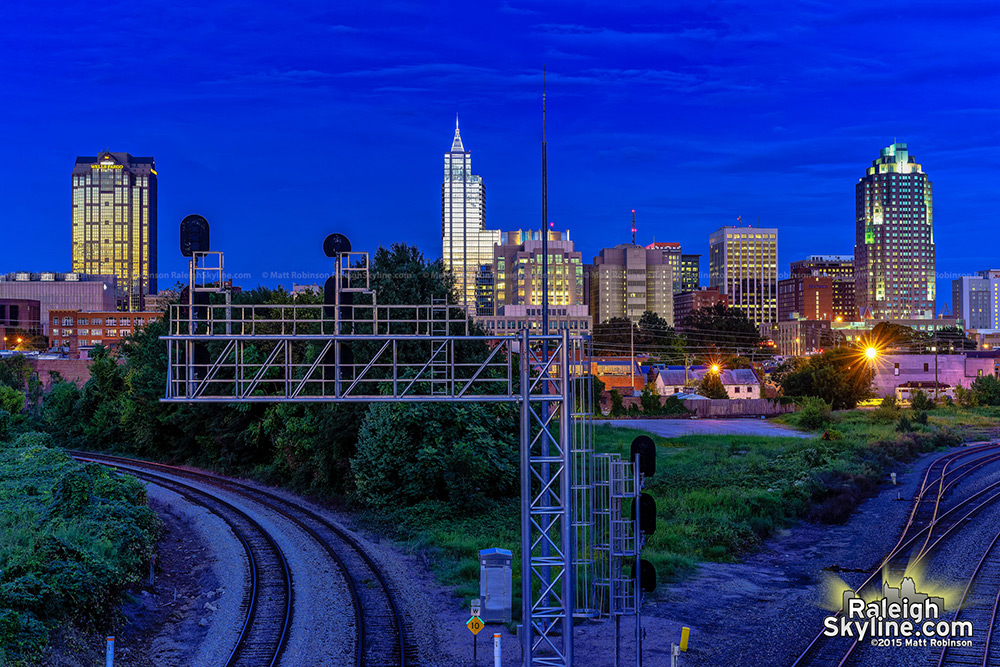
x=475, y=624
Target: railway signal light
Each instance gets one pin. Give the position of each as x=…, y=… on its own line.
x=646, y=581
x=647, y=513
x=644, y=447
x=194, y=235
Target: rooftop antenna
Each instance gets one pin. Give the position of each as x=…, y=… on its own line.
x=633, y=226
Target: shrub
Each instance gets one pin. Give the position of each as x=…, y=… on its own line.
x=965, y=397
x=903, y=425
x=457, y=454
x=948, y=402
x=674, y=406
x=986, y=390
x=921, y=418
x=832, y=434
x=887, y=412
x=815, y=413
x=650, y=400
x=921, y=401
x=617, y=404
x=11, y=400
x=33, y=439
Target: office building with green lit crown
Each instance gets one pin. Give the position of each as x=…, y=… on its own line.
x=894, y=252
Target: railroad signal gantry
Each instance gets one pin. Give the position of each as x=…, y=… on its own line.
x=352, y=349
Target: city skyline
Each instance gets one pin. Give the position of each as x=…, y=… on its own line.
x=640, y=111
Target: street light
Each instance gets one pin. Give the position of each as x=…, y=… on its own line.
x=871, y=353
x=715, y=368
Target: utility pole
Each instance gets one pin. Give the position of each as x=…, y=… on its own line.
x=631, y=324
x=631, y=337
x=935, y=363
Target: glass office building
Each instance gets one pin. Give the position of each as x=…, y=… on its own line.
x=114, y=223
x=467, y=246
x=894, y=247
x=743, y=264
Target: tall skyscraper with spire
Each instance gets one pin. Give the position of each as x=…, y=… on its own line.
x=467, y=246
x=894, y=247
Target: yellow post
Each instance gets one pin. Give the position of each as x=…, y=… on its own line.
x=685, y=634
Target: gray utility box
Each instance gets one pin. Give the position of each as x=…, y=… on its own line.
x=495, y=585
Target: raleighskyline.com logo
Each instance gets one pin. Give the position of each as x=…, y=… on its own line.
x=901, y=617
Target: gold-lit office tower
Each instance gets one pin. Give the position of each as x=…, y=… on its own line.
x=467, y=246
x=114, y=223
x=743, y=264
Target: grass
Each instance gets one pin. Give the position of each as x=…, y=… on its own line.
x=718, y=497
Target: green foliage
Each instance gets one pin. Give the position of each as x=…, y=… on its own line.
x=904, y=424
x=815, y=413
x=887, y=412
x=617, y=403
x=74, y=537
x=673, y=406
x=966, y=397
x=721, y=331
x=11, y=400
x=921, y=418
x=986, y=390
x=733, y=363
x=455, y=453
x=836, y=376
x=650, y=400
x=921, y=401
x=711, y=386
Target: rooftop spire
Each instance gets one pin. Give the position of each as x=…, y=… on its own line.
x=456, y=144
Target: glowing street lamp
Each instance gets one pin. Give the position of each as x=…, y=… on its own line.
x=871, y=353
x=715, y=368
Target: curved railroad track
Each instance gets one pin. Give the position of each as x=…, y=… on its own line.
x=268, y=600
x=383, y=636
x=982, y=594
x=927, y=519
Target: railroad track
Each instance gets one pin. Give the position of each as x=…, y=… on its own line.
x=268, y=600
x=383, y=633
x=927, y=519
x=979, y=604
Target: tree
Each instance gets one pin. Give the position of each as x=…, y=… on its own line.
x=986, y=390
x=650, y=399
x=454, y=453
x=892, y=336
x=952, y=340
x=921, y=401
x=840, y=377
x=613, y=338
x=11, y=400
x=737, y=362
x=657, y=338
x=617, y=404
x=721, y=331
x=711, y=386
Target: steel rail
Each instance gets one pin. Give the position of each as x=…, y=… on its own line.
x=287, y=509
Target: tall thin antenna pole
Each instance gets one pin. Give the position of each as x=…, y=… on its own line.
x=545, y=221
x=633, y=226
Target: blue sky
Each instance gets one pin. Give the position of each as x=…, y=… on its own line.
x=282, y=122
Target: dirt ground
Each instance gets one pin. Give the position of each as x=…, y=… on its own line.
x=160, y=625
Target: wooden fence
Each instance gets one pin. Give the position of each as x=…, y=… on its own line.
x=738, y=407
